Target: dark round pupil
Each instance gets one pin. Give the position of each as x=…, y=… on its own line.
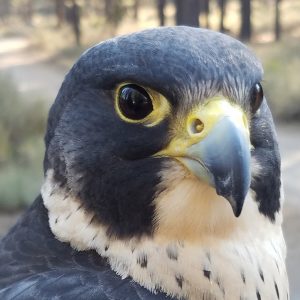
x=134, y=102
x=257, y=97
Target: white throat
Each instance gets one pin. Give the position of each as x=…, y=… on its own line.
x=217, y=256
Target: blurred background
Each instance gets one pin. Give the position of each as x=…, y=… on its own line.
x=41, y=39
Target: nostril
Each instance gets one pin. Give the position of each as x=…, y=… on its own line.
x=196, y=126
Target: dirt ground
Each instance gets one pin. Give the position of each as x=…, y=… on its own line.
x=33, y=75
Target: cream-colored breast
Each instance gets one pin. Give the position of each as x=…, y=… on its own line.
x=196, y=252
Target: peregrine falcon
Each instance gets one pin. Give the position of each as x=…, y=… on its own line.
x=162, y=178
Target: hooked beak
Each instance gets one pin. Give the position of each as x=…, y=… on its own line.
x=215, y=147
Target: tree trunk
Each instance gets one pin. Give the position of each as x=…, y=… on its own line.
x=277, y=21
x=74, y=19
x=5, y=9
x=187, y=12
x=27, y=12
x=246, y=30
x=136, y=9
x=60, y=12
x=205, y=9
x=160, y=8
x=114, y=11
x=222, y=5
x=108, y=7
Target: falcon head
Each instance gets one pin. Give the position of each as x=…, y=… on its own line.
x=165, y=131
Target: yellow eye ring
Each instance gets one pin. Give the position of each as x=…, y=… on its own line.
x=140, y=105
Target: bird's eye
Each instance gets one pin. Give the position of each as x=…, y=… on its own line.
x=140, y=105
x=257, y=96
x=134, y=102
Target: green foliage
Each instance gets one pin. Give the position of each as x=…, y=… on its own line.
x=22, y=123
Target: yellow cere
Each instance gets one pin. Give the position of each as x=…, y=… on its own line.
x=201, y=121
x=161, y=107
